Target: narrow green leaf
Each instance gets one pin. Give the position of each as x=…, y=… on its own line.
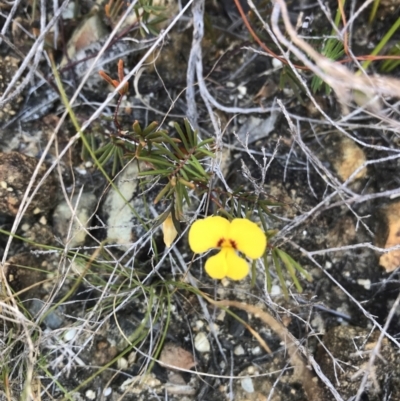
x=205, y=142
x=262, y=218
x=150, y=128
x=187, y=183
x=278, y=269
x=107, y=153
x=195, y=163
x=203, y=152
x=157, y=161
x=185, y=194
x=165, y=152
x=136, y=127
x=154, y=172
x=292, y=271
x=181, y=135
x=184, y=175
x=297, y=265
x=162, y=193
x=190, y=134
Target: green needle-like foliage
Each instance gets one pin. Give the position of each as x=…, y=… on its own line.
x=333, y=49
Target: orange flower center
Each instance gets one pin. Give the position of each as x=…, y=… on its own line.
x=226, y=243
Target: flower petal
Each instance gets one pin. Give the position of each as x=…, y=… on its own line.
x=238, y=268
x=216, y=266
x=206, y=233
x=248, y=237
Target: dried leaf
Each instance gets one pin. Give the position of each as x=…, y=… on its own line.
x=169, y=231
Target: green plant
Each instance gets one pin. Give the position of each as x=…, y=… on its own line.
x=331, y=48
x=147, y=14
x=334, y=50
x=390, y=64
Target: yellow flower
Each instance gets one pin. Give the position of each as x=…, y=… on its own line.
x=238, y=235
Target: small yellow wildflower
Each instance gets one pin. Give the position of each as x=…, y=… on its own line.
x=238, y=235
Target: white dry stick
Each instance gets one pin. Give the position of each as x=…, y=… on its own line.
x=195, y=54
x=195, y=65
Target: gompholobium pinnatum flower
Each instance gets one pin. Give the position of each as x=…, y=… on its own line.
x=230, y=236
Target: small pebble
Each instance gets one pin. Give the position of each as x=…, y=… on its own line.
x=239, y=350
x=251, y=370
x=25, y=227
x=69, y=334
x=242, y=90
x=247, y=385
x=275, y=290
x=199, y=324
x=90, y=394
x=221, y=315
x=81, y=171
x=107, y=391
x=201, y=342
x=122, y=364
x=276, y=63
x=366, y=283
x=132, y=358
x=256, y=351
x=225, y=282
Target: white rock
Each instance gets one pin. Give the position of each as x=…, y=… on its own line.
x=256, y=351
x=69, y=11
x=199, y=324
x=366, y=283
x=107, y=391
x=239, y=350
x=201, y=342
x=275, y=290
x=247, y=385
x=121, y=217
x=251, y=370
x=225, y=282
x=242, y=90
x=276, y=63
x=90, y=394
x=122, y=364
x=69, y=335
